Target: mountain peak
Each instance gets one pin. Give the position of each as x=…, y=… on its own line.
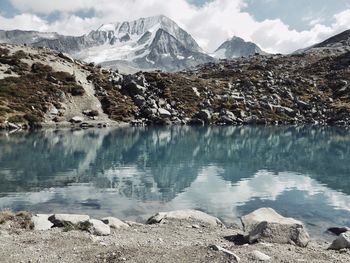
x=142, y=24
x=235, y=38
x=237, y=47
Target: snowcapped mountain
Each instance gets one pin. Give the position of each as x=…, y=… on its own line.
x=144, y=44
x=237, y=47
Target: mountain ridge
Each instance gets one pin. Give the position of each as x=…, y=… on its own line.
x=129, y=46
x=151, y=43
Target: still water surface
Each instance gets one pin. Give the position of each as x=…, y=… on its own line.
x=302, y=172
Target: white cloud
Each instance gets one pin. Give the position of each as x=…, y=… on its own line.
x=210, y=24
x=23, y=22
x=47, y=7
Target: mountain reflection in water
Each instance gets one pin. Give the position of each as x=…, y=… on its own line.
x=303, y=172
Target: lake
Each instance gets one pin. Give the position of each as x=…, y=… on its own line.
x=131, y=173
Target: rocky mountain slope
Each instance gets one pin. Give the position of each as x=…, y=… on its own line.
x=340, y=40
x=337, y=44
x=147, y=43
x=237, y=47
x=39, y=86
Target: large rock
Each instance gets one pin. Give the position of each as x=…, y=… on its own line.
x=253, y=219
x=114, y=222
x=164, y=113
x=13, y=126
x=267, y=225
x=338, y=230
x=190, y=215
x=60, y=220
x=99, y=228
x=134, y=89
x=139, y=100
x=343, y=241
x=41, y=222
x=66, y=57
x=204, y=115
x=76, y=119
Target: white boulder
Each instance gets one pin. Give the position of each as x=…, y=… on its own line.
x=99, y=228
x=190, y=215
x=41, y=222
x=114, y=222
x=267, y=225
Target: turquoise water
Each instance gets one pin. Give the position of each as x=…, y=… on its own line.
x=302, y=172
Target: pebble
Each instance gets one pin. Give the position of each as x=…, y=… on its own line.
x=225, y=251
x=257, y=255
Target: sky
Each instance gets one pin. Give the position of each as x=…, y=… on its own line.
x=277, y=26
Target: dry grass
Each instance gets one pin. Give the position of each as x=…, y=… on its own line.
x=21, y=220
x=6, y=216
x=29, y=95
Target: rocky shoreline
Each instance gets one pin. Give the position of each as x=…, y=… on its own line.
x=176, y=236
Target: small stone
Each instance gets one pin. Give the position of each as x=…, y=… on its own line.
x=91, y=113
x=196, y=226
x=76, y=119
x=164, y=113
x=257, y=255
x=225, y=251
x=132, y=223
